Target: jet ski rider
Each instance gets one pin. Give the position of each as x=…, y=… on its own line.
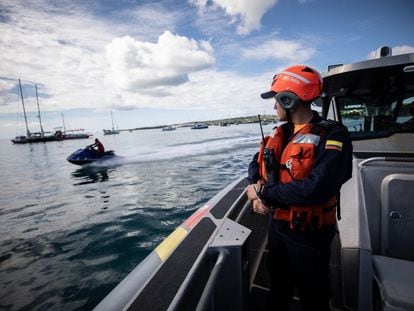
x=100, y=149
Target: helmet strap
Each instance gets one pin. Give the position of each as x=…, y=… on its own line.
x=289, y=116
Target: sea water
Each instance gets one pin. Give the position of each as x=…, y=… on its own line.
x=70, y=234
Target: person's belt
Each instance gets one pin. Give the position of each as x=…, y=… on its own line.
x=303, y=217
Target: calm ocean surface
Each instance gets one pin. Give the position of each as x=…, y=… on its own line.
x=70, y=234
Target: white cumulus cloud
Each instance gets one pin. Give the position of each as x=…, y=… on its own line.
x=279, y=49
x=138, y=65
x=247, y=13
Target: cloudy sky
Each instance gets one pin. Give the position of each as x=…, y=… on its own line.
x=165, y=61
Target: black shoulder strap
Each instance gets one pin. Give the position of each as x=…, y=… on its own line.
x=287, y=133
x=323, y=126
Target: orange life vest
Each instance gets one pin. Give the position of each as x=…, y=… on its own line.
x=296, y=161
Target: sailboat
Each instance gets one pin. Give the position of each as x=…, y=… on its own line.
x=73, y=134
x=34, y=137
x=22, y=139
x=113, y=131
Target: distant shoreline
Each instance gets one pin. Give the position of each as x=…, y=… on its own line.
x=218, y=122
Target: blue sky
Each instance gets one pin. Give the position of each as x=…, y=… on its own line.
x=162, y=62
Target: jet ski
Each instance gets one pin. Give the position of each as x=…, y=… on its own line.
x=89, y=155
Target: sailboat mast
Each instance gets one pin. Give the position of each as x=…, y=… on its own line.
x=112, y=118
x=38, y=111
x=24, y=109
x=63, y=121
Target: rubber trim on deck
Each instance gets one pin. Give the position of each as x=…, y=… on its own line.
x=162, y=288
x=221, y=208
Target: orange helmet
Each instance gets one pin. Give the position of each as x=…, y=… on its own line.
x=303, y=81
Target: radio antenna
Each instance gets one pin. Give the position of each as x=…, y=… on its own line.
x=261, y=129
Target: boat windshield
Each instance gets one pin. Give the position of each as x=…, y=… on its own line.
x=373, y=116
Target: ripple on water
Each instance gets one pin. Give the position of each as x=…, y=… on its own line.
x=82, y=229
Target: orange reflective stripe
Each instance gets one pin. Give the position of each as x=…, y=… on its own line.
x=191, y=221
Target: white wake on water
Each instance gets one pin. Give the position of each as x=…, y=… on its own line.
x=163, y=153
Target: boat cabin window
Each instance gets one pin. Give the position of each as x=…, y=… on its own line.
x=376, y=116
x=317, y=106
x=405, y=114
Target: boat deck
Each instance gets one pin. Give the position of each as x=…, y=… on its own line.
x=187, y=278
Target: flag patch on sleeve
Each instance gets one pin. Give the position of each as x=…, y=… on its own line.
x=334, y=144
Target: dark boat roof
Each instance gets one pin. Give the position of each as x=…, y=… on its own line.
x=370, y=76
x=388, y=76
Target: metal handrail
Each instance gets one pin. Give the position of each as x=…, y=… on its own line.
x=389, y=159
x=206, y=296
x=245, y=209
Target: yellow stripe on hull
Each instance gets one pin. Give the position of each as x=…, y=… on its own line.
x=170, y=243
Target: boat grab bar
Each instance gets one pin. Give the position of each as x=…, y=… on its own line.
x=247, y=207
x=205, y=299
x=391, y=159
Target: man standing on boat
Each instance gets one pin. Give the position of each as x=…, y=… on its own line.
x=100, y=149
x=296, y=177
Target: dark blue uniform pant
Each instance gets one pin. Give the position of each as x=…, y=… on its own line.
x=299, y=259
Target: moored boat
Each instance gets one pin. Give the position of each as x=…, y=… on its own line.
x=38, y=137
x=19, y=139
x=76, y=134
x=169, y=128
x=35, y=137
x=112, y=131
x=199, y=126
x=72, y=134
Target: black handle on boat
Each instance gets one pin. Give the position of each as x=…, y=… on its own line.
x=205, y=299
x=388, y=159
